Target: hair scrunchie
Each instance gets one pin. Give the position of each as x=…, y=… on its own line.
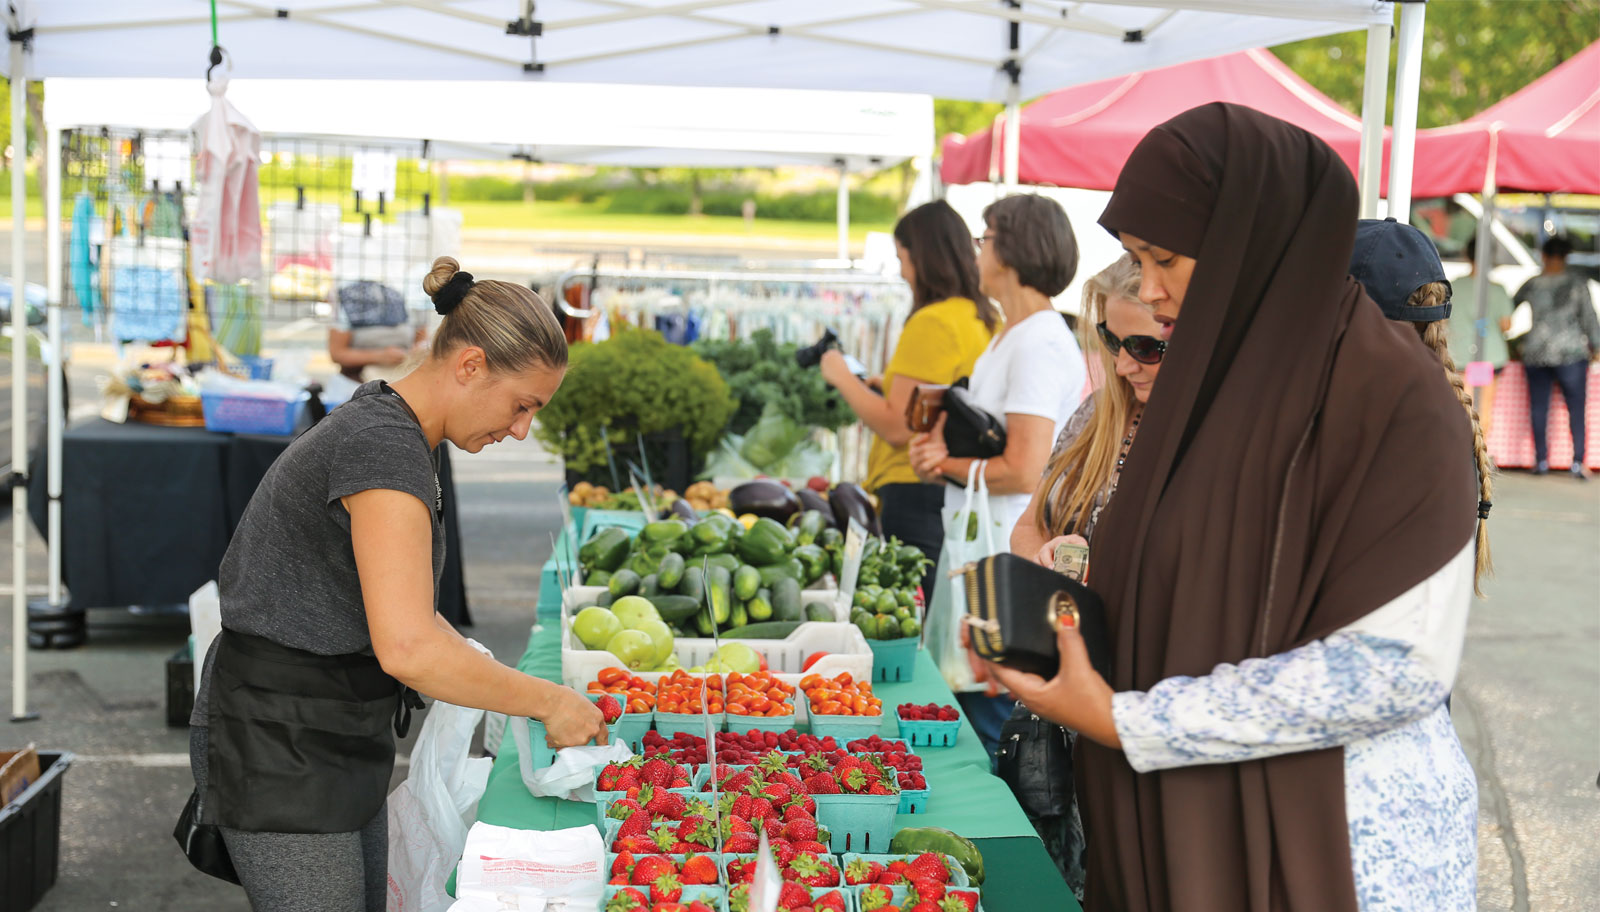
x=449, y=296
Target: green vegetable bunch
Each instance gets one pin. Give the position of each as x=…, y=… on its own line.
x=761, y=371
x=633, y=383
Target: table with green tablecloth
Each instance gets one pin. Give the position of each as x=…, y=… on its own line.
x=964, y=796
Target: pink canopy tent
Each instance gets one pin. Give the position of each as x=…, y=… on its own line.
x=1081, y=136
x=1543, y=139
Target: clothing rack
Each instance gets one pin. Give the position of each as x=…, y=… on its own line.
x=865, y=310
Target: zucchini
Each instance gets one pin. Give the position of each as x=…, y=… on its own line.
x=769, y=630
x=746, y=582
x=786, y=600
x=675, y=609
x=624, y=582
x=670, y=572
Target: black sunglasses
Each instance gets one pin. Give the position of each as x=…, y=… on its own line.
x=1143, y=349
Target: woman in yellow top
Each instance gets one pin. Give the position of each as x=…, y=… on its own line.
x=950, y=325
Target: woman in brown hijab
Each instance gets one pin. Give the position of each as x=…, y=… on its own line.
x=1287, y=563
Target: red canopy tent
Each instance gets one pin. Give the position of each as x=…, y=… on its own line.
x=1543, y=139
x=1081, y=136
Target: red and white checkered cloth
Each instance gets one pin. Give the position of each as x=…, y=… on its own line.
x=1511, y=432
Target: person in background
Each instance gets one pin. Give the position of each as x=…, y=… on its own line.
x=1464, y=329
x=373, y=335
x=1400, y=269
x=1286, y=566
x=1556, y=352
x=1030, y=378
x=1078, y=483
x=951, y=323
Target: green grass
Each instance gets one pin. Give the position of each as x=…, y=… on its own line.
x=582, y=217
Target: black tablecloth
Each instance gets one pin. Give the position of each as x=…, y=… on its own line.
x=146, y=512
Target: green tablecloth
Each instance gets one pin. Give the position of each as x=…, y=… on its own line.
x=965, y=797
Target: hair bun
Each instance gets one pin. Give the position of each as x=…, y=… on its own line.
x=449, y=295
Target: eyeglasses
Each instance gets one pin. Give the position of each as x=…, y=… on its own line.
x=1143, y=349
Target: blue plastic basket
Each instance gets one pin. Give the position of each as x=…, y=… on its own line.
x=716, y=897
x=958, y=874
x=250, y=414
x=257, y=368
x=923, y=733
x=914, y=801
x=857, y=823
x=897, y=895
x=845, y=728
x=670, y=723
x=894, y=660
x=540, y=754
x=761, y=723
x=630, y=728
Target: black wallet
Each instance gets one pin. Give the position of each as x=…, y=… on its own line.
x=969, y=431
x=1014, y=606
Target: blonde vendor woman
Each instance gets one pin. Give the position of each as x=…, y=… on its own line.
x=328, y=614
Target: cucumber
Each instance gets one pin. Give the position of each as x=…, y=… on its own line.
x=746, y=582
x=771, y=573
x=693, y=584
x=739, y=616
x=624, y=582
x=760, y=607
x=718, y=584
x=675, y=609
x=598, y=578
x=670, y=573
x=769, y=630
x=786, y=600
x=649, y=586
x=605, y=599
x=819, y=611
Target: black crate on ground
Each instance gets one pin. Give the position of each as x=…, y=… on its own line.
x=180, y=687
x=30, y=836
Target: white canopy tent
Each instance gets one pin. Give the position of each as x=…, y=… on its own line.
x=1000, y=50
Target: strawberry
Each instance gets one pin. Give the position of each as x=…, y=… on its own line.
x=862, y=871
x=783, y=850
x=637, y=824
x=853, y=779
x=666, y=889
x=761, y=809
x=696, y=830
x=629, y=900
x=801, y=829
x=777, y=793
x=959, y=901
x=623, y=864
x=699, y=869
x=926, y=889
x=793, y=895
x=698, y=906
x=891, y=879
x=831, y=900
x=874, y=898
x=813, y=871
x=741, y=871
x=609, y=708
x=670, y=805
x=878, y=788
x=738, y=898
x=773, y=826
x=650, y=867
x=742, y=805
x=620, y=880
x=900, y=866
x=929, y=866
x=822, y=784
x=741, y=843
x=638, y=845
x=815, y=848
x=922, y=907
x=622, y=809
x=658, y=772
x=665, y=839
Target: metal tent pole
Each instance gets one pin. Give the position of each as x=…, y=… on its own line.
x=19, y=386
x=1484, y=260
x=1374, y=103
x=1407, y=80
x=58, y=353
x=842, y=211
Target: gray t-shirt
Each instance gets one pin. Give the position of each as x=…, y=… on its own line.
x=290, y=572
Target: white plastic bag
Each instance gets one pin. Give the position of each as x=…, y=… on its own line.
x=949, y=604
x=571, y=776
x=506, y=868
x=430, y=812
x=205, y=619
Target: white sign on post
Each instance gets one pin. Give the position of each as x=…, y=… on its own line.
x=647, y=504
x=166, y=162
x=372, y=172
x=767, y=882
x=855, y=540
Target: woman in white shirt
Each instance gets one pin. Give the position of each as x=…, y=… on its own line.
x=1030, y=378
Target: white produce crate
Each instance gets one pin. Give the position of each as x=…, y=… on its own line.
x=847, y=649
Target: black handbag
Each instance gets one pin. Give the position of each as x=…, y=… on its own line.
x=1034, y=758
x=1014, y=607
x=202, y=843
x=969, y=431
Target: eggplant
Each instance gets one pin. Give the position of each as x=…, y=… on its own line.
x=763, y=497
x=850, y=502
x=681, y=509
x=811, y=500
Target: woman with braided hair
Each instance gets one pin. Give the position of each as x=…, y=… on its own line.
x=1400, y=269
x=329, y=621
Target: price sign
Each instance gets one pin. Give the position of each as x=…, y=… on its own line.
x=372, y=172
x=855, y=540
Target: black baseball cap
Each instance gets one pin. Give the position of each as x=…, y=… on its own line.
x=1393, y=260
